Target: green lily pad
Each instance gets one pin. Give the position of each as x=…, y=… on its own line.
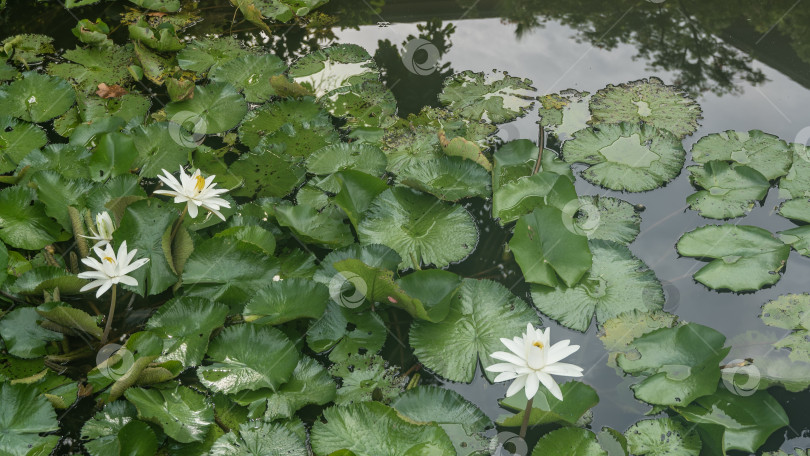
x=373, y=429
x=481, y=314
x=798, y=238
x=17, y=140
x=617, y=282
x=265, y=173
x=166, y=6
x=58, y=193
x=345, y=332
x=182, y=413
x=569, y=441
x=260, y=439
x=301, y=125
x=368, y=104
x=27, y=48
x=342, y=156
x=649, y=101
x=662, y=437
x=757, y=364
x=36, y=97
x=406, y=147
x=536, y=246
x=252, y=235
x=26, y=414
x=73, y=319
x=91, y=66
x=214, y=108
x=681, y=363
x=250, y=74
x=495, y=97
x=23, y=336
x=104, y=433
x=162, y=38
x=202, y=54
x=796, y=183
x=795, y=209
x=160, y=145
x=286, y=300
x=185, y=324
x=607, y=218
x=328, y=69
x=25, y=224
x=562, y=114
x=728, y=190
x=313, y=226
x=791, y=312
x=618, y=333
x=70, y=160
x=447, y=178
x=367, y=378
x=740, y=422
x=763, y=152
x=46, y=278
x=248, y=357
x=431, y=403
x=546, y=409
x=427, y=230
x=742, y=258
x=626, y=157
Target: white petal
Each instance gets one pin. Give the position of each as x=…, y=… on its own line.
x=133, y=266
x=509, y=358
x=560, y=351
x=514, y=347
x=127, y=280
x=532, y=385
x=192, y=209
x=549, y=383
x=104, y=287
x=516, y=386
x=502, y=367
x=93, y=275
x=504, y=376
x=564, y=369
x=218, y=214
x=92, y=285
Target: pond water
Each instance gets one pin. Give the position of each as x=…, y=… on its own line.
x=748, y=67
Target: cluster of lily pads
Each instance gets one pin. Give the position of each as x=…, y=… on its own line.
x=256, y=326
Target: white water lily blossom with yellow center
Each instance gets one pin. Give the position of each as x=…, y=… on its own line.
x=103, y=232
x=111, y=269
x=196, y=191
x=532, y=361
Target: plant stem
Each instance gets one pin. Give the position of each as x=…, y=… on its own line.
x=177, y=225
x=416, y=264
x=109, y=317
x=540, y=147
x=526, y=414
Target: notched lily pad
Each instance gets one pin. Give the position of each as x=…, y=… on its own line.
x=562, y=114
x=36, y=97
x=496, y=97
x=763, y=152
x=728, y=190
x=791, y=312
x=662, y=437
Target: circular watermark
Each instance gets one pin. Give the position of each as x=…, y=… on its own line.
x=582, y=217
x=426, y=67
x=672, y=296
x=508, y=444
x=741, y=377
x=801, y=144
x=113, y=361
x=348, y=289
x=183, y=127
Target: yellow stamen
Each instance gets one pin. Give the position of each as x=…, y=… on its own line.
x=109, y=259
x=538, y=344
x=200, y=184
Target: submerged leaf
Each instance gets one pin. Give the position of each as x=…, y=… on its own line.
x=495, y=97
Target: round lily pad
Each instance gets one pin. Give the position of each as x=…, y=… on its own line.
x=569, y=441
x=795, y=209
x=302, y=126
x=662, y=437
x=763, y=152
x=649, y=101
x=256, y=438
x=728, y=190
x=250, y=74
x=563, y=114
x=618, y=282
x=214, y=108
x=607, y=218
x=202, y=54
x=17, y=139
x=495, y=97
x=628, y=157
x=37, y=97
x=796, y=183
x=89, y=67
x=420, y=228
x=791, y=312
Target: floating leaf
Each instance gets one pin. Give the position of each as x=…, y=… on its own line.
x=796, y=209
x=743, y=258
x=372, y=429
x=250, y=74
x=757, y=365
x=729, y=190
x=75, y=319
x=344, y=156
x=681, y=363
x=431, y=403
x=368, y=104
x=260, y=439
x=345, y=332
x=168, y=6
x=496, y=97
x=763, y=152
x=626, y=157
x=649, y=101
x=95, y=65
x=367, y=378
x=202, y=54
x=185, y=324
x=24, y=224
x=248, y=357
x=160, y=145
x=286, y=300
x=662, y=437
x=328, y=69
x=26, y=414
x=545, y=247
x=27, y=48
x=214, y=108
x=562, y=114
x=314, y=227
x=356, y=191
x=569, y=441
x=301, y=125
x=481, y=314
x=546, y=409
x=740, y=422
x=36, y=97
x=796, y=184
x=17, y=140
x=182, y=413
x=23, y=336
x=618, y=333
x=448, y=178
x=607, y=218
x=798, y=238
x=791, y=312
x=427, y=230
x=161, y=38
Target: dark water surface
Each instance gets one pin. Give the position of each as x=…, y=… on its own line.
x=747, y=63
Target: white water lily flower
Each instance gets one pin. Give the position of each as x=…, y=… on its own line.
x=195, y=191
x=111, y=269
x=532, y=361
x=104, y=230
